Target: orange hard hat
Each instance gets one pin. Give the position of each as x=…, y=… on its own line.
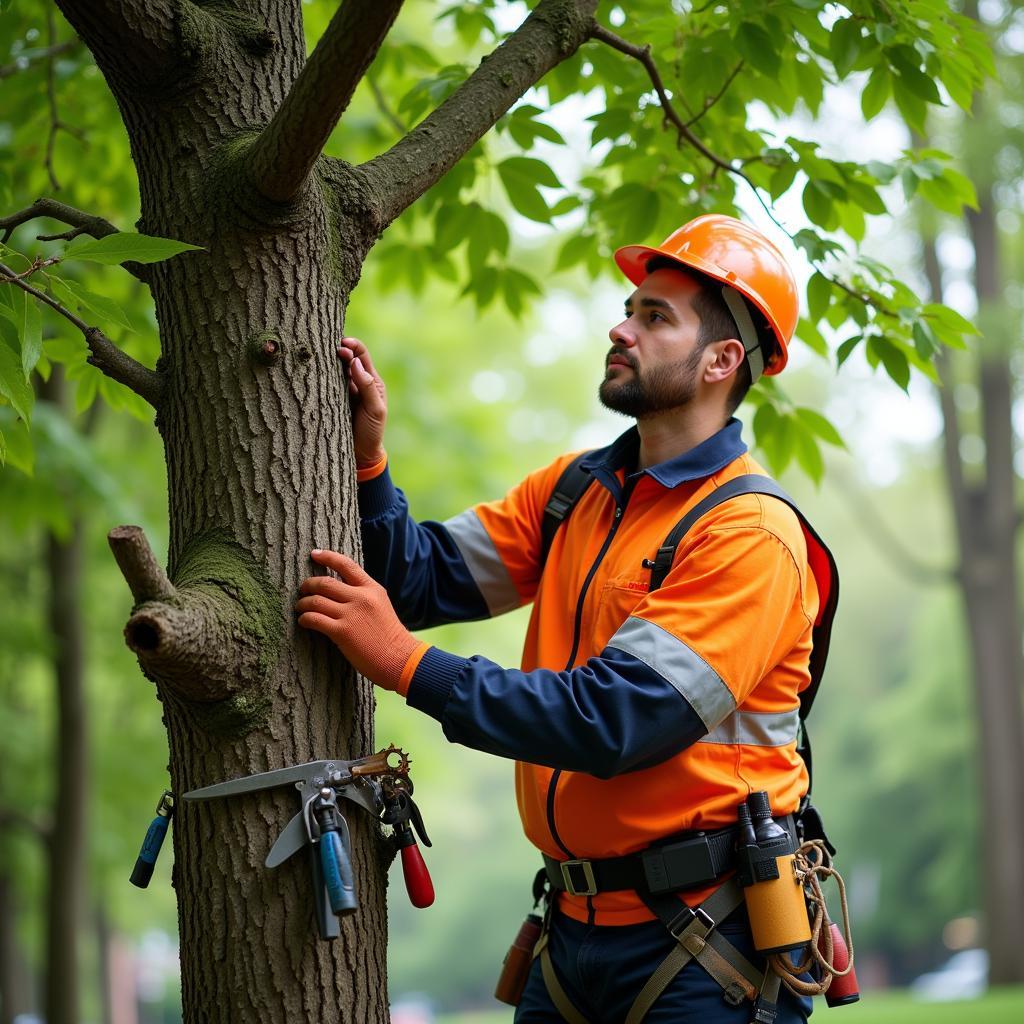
x=739, y=256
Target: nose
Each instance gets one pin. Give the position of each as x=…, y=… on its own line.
x=621, y=334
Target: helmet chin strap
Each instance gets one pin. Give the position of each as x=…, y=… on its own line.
x=748, y=333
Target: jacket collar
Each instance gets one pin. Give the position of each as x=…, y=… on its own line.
x=706, y=458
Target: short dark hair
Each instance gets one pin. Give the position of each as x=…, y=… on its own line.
x=717, y=323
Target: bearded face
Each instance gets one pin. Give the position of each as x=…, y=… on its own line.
x=640, y=394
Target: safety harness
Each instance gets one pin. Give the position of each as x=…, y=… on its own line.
x=683, y=862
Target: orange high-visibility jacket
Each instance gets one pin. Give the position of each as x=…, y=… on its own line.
x=634, y=715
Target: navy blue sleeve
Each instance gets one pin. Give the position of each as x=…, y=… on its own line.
x=418, y=564
x=614, y=714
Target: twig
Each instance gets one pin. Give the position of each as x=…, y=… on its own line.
x=643, y=54
x=24, y=62
x=104, y=354
x=382, y=105
x=82, y=224
x=712, y=100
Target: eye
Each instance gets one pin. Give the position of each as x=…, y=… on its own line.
x=655, y=315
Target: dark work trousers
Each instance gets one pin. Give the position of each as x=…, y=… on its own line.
x=603, y=968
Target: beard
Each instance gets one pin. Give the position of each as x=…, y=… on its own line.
x=642, y=395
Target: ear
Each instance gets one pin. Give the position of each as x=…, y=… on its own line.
x=727, y=358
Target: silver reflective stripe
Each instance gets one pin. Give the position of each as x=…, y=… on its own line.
x=681, y=666
x=757, y=728
x=484, y=562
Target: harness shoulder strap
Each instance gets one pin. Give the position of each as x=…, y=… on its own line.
x=822, y=564
x=567, y=492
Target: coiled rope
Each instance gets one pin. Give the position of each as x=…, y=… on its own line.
x=814, y=866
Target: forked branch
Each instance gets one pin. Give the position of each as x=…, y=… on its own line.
x=286, y=150
x=82, y=223
x=553, y=32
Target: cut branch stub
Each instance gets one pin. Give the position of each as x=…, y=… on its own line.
x=215, y=633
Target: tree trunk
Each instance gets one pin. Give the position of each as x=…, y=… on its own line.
x=985, y=518
x=67, y=841
x=255, y=424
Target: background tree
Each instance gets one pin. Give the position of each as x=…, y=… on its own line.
x=227, y=123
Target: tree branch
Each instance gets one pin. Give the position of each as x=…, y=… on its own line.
x=104, y=354
x=710, y=101
x=553, y=32
x=142, y=572
x=215, y=635
x=81, y=224
x=286, y=150
x=26, y=60
x=135, y=39
x=38, y=826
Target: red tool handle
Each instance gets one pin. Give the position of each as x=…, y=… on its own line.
x=417, y=877
x=845, y=989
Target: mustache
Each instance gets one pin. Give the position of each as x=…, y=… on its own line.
x=621, y=355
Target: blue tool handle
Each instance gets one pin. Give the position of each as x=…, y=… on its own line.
x=146, y=861
x=337, y=869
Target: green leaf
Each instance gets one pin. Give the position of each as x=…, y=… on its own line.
x=127, y=245
x=845, y=45
x=13, y=385
x=74, y=296
x=925, y=342
x=808, y=454
x=574, y=251
x=949, y=318
x=809, y=334
x=819, y=295
x=875, y=93
x=526, y=168
x=32, y=339
x=818, y=206
x=893, y=359
x=488, y=234
x=634, y=205
x=16, y=447
x=846, y=348
x=911, y=106
x=757, y=46
x=521, y=176
x=820, y=426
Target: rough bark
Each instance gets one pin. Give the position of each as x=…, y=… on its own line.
x=986, y=525
x=253, y=413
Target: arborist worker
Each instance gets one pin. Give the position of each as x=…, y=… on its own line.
x=643, y=709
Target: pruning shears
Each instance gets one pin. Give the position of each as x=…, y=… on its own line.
x=379, y=784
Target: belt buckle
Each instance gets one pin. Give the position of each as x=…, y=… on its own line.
x=567, y=867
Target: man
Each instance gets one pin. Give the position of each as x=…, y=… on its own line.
x=637, y=715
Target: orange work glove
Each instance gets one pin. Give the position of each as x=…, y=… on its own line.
x=355, y=612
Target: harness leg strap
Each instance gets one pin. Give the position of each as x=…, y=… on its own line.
x=739, y=978
x=556, y=993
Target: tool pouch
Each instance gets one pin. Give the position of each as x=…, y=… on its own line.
x=516, y=966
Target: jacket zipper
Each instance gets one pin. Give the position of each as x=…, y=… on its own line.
x=620, y=508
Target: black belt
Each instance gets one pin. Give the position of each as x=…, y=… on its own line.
x=670, y=866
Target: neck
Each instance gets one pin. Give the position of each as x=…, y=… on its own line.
x=675, y=431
